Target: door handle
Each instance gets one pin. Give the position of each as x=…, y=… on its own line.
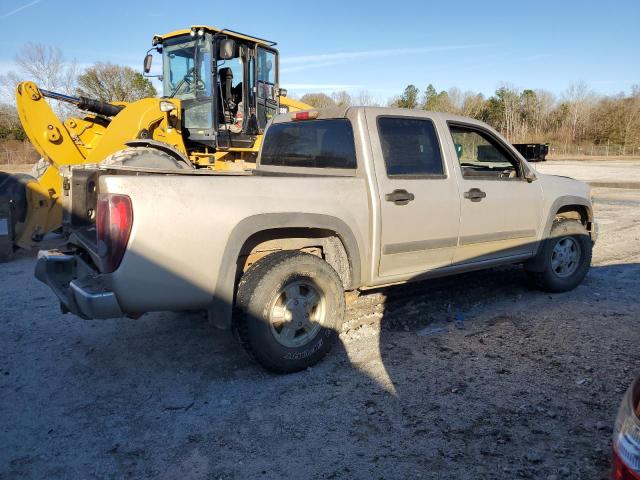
x=475, y=195
x=399, y=197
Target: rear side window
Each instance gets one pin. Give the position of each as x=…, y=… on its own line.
x=310, y=143
x=410, y=147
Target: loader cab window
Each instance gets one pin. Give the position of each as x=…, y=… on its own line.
x=231, y=107
x=187, y=67
x=267, y=103
x=187, y=76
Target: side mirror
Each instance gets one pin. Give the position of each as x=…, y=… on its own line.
x=148, y=60
x=529, y=175
x=227, y=49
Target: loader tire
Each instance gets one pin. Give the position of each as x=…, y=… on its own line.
x=289, y=310
x=14, y=188
x=144, y=157
x=13, y=210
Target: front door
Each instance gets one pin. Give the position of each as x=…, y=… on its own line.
x=267, y=101
x=500, y=211
x=419, y=201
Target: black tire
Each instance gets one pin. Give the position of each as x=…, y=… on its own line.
x=552, y=279
x=263, y=290
x=144, y=157
x=14, y=188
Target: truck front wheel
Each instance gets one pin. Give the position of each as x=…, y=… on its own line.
x=289, y=310
x=566, y=257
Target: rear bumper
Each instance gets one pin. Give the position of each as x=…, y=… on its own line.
x=80, y=289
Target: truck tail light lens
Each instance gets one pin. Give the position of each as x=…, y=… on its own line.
x=626, y=437
x=114, y=217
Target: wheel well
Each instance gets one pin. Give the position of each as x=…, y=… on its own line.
x=323, y=243
x=575, y=212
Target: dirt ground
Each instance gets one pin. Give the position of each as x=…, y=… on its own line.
x=474, y=376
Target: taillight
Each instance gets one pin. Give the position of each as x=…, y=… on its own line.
x=626, y=436
x=305, y=115
x=114, y=218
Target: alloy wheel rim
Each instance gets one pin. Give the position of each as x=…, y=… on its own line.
x=565, y=256
x=297, y=313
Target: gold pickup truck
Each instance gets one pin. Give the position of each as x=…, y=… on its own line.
x=339, y=201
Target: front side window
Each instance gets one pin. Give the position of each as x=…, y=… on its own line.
x=187, y=67
x=480, y=155
x=410, y=147
x=266, y=73
x=312, y=144
x=266, y=104
x=187, y=76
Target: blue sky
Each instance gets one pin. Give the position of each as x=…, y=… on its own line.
x=376, y=46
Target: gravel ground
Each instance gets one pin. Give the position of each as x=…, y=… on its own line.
x=605, y=173
x=474, y=376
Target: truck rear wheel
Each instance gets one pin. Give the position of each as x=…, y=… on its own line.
x=289, y=310
x=566, y=257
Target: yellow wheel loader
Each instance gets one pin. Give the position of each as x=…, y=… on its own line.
x=220, y=88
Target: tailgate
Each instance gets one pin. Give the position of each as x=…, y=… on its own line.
x=80, y=197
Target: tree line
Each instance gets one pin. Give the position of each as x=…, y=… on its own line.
x=576, y=120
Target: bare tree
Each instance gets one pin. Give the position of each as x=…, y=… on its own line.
x=341, y=98
x=631, y=119
x=46, y=66
x=364, y=98
x=579, y=99
x=473, y=104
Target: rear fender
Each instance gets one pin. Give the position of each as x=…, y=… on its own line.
x=220, y=308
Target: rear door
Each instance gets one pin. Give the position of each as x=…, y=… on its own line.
x=419, y=200
x=500, y=211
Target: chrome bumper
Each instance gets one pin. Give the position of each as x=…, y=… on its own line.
x=80, y=288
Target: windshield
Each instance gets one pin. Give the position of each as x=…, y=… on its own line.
x=187, y=67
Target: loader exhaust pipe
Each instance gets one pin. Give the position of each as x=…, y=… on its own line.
x=83, y=103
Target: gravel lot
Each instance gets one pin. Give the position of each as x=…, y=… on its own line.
x=474, y=376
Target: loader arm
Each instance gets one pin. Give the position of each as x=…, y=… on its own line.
x=46, y=132
x=80, y=140
x=54, y=143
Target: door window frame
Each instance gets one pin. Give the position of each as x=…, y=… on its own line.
x=256, y=80
x=430, y=176
x=503, y=148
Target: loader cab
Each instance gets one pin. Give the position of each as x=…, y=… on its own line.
x=227, y=83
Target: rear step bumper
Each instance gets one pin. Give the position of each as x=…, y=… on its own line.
x=81, y=289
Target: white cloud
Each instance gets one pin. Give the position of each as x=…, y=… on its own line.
x=320, y=86
x=19, y=9
x=305, y=62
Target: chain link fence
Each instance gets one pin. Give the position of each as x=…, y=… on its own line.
x=17, y=153
x=602, y=150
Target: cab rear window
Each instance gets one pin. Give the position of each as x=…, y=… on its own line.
x=311, y=144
